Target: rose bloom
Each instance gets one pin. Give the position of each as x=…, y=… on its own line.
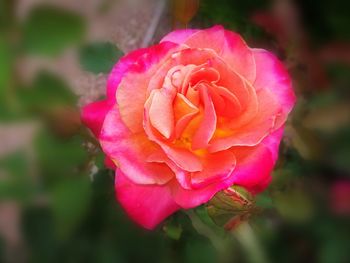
x=189, y=117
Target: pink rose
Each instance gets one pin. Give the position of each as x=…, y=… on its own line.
x=189, y=117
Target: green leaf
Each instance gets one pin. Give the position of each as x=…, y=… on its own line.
x=48, y=30
x=99, y=57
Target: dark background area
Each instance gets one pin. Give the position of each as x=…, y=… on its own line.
x=57, y=199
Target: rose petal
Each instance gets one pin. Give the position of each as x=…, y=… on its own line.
x=204, y=73
x=93, y=115
x=255, y=130
x=239, y=56
x=182, y=176
x=131, y=152
x=230, y=106
x=207, y=126
x=189, y=198
x=179, y=36
x=161, y=112
x=232, y=81
x=254, y=165
x=253, y=171
x=135, y=82
x=249, y=111
x=216, y=167
x=124, y=65
x=148, y=205
x=272, y=75
x=230, y=46
x=183, y=158
x=184, y=111
x=109, y=163
x=189, y=59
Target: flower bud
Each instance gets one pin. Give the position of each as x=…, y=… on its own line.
x=231, y=206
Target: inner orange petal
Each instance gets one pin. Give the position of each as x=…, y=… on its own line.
x=161, y=112
x=184, y=111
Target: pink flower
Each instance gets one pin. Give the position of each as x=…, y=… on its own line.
x=189, y=117
x=340, y=198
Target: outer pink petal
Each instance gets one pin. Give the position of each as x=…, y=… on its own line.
x=272, y=143
x=179, y=36
x=194, y=197
x=253, y=169
x=131, y=152
x=239, y=56
x=109, y=163
x=125, y=64
x=132, y=90
x=230, y=46
x=94, y=114
x=217, y=167
x=148, y=205
x=272, y=75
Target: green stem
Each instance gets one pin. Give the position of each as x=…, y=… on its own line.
x=246, y=237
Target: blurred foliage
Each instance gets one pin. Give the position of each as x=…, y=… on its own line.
x=15, y=185
x=234, y=15
x=99, y=57
x=65, y=195
x=49, y=30
x=183, y=11
x=47, y=91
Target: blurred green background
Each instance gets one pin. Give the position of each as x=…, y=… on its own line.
x=57, y=199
